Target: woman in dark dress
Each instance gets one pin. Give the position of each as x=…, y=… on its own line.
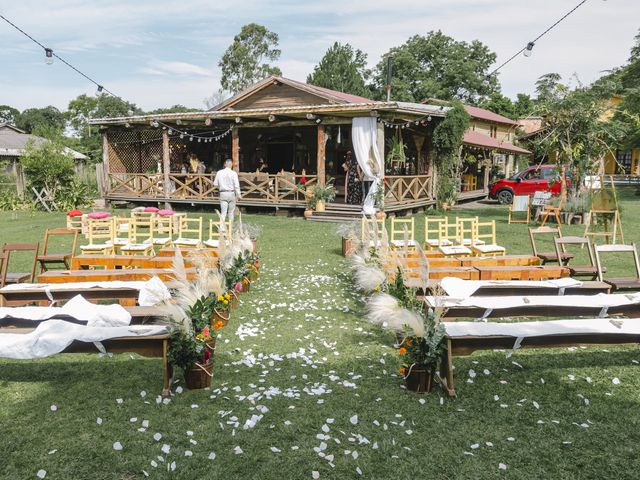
x=353, y=187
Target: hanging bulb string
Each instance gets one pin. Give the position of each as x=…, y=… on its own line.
x=533, y=42
x=200, y=135
x=54, y=54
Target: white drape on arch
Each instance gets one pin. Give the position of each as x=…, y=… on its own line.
x=364, y=136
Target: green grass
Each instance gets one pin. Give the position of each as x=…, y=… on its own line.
x=310, y=338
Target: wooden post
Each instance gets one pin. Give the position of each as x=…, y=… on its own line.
x=321, y=155
x=105, y=162
x=166, y=162
x=487, y=171
x=235, y=148
x=19, y=177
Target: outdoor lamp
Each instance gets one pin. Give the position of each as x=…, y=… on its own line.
x=99, y=89
x=529, y=49
x=48, y=59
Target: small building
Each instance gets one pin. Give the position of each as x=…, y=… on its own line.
x=13, y=141
x=281, y=134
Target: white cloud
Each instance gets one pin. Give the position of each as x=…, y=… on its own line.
x=176, y=68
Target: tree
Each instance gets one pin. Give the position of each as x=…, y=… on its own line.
x=448, y=136
x=245, y=61
x=549, y=89
x=85, y=107
x=47, y=165
x=216, y=98
x=342, y=68
x=49, y=116
x=500, y=104
x=523, y=106
x=8, y=114
x=173, y=109
x=438, y=66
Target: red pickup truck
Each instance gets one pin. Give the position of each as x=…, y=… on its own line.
x=527, y=182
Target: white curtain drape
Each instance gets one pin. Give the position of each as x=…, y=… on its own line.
x=364, y=136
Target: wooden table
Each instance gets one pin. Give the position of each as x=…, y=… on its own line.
x=187, y=252
x=522, y=273
x=465, y=273
x=84, y=262
x=134, y=274
x=501, y=261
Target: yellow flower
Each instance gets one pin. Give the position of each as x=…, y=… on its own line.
x=227, y=296
x=220, y=298
x=225, y=301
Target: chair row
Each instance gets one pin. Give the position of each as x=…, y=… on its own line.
x=465, y=236
x=140, y=234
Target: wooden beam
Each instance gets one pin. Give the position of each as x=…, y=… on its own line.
x=235, y=149
x=166, y=161
x=105, y=162
x=380, y=142
x=321, y=154
x=296, y=123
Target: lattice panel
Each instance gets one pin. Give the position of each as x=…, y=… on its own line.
x=134, y=151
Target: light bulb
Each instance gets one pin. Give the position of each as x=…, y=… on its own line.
x=99, y=89
x=529, y=49
x=48, y=56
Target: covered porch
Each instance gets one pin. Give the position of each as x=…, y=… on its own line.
x=278, y=143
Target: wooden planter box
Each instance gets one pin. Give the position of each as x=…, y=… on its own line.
x=418, y=380
x=349, y=247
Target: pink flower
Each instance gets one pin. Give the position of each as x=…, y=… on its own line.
x=238, y=286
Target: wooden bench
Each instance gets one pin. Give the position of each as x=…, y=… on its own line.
x=522, y=273
x=510, y=288
x=135, y=274
x=501, y=261
x=465, y=273
x=153, y=346
x=85, y=262
x=187, y=252
x=545, y=334
x=536, y=306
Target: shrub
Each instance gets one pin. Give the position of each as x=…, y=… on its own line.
x=47, y=165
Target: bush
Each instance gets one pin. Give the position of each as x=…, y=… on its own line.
x=47, y=165
x=74, y=195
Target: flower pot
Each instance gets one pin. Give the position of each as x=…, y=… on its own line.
x=199, y=376
x=308, y=212
x=220, y=316
x=320, y=206
x=233, y=302
x=348, y=247
x=418, y=379
x=255, y=245
x=253, y=275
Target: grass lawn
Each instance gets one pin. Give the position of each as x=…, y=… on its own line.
x=303, y=384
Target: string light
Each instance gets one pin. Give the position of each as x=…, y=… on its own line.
x=48, y=56
x=527, y=49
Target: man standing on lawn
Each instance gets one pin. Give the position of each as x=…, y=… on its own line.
x=227, y=182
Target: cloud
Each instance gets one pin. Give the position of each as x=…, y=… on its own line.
x=176, y=68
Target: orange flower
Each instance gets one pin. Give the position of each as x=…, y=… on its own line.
x=402, y=351
x=218, y=325
x=402, y=370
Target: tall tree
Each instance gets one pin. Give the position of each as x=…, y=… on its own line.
x=85, y=107
x=438, y=66
x=500, y=104
x=8, y=114
x=32, y=118
x=246, y=60
x=342, y=68
x=173, y=109
x=549, y=89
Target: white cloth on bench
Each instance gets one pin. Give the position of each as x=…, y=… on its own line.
x=601, y=300
x=77, y=308
x=151, y=292
x=457, y=287
x=595, y=326
x=53, y=336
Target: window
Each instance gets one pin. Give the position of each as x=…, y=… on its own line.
x=549, y=173
x=494, y=131
x=624, y=162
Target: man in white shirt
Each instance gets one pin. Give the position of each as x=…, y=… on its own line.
x=227, y=182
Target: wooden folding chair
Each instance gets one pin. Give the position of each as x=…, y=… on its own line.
x=376, y=229
x=618, y=283
x=450, y=233
x=162, y=231
x=399, y=238
x=490, y=246
x=218, y=234
x=521, y=204
x=74, y=223
x=432, y=233
x=548, y=256
x=19, y=277
x=189, y=232
x=100, y=233
x=63, y=260
x=140, y=237
x=589, y=270
x=550, y=210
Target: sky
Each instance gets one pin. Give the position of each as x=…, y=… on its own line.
x=160, y=53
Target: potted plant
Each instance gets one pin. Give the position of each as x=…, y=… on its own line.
x=420, y=335
x=236, y=275
x=378, y=201
x=193, y=329
x=322, y=194
x=349, y=235
x=576, y=207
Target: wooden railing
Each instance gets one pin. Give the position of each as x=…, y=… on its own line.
x=407, y=189
x=266, y=188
